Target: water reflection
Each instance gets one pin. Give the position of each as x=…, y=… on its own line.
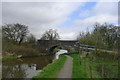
x=26, y=67
x=60, y=52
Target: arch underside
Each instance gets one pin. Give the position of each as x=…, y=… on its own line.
x=66, y=47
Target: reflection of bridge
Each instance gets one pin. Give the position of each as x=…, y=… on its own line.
x=49, y=46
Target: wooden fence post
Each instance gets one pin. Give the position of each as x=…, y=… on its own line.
x=102, y=71
x=90, y=71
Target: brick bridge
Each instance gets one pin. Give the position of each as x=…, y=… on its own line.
x=48, y=46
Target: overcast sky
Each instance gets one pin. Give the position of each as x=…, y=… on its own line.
x=68, y=18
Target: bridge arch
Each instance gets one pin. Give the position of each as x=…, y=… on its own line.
x=48, y=46
x=52, y=48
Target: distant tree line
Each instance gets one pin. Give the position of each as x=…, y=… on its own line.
x=105, y=36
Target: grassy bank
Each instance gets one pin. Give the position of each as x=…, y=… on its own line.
x=8, y=58
x=78, y=68
x=51, y=70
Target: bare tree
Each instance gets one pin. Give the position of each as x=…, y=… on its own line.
x=31, y=38
x=15, y=32
x=50, y=35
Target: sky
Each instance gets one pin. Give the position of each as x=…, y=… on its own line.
x=68, y=18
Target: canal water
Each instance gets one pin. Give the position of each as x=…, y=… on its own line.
x=59, y=53
x=25, y=67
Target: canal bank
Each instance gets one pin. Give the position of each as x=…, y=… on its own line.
x=7, y=58
x=25, y=67
x=52, y=70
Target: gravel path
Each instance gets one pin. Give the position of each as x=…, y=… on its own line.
x=66, y=71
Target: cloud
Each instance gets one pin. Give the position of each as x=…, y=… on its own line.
x=67, y=36
x=88, y=22
x=0, y=14
x=102, y=12
x=38, y=16
x=42, y=16
x=60, y=0
x=110, y=8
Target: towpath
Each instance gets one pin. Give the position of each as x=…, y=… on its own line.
x=66, y=71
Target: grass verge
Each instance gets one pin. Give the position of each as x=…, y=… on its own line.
x=78, y=69
x=8, y=58
x=51, y=70
x=94, y=66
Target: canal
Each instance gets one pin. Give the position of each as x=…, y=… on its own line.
x=25, y=67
